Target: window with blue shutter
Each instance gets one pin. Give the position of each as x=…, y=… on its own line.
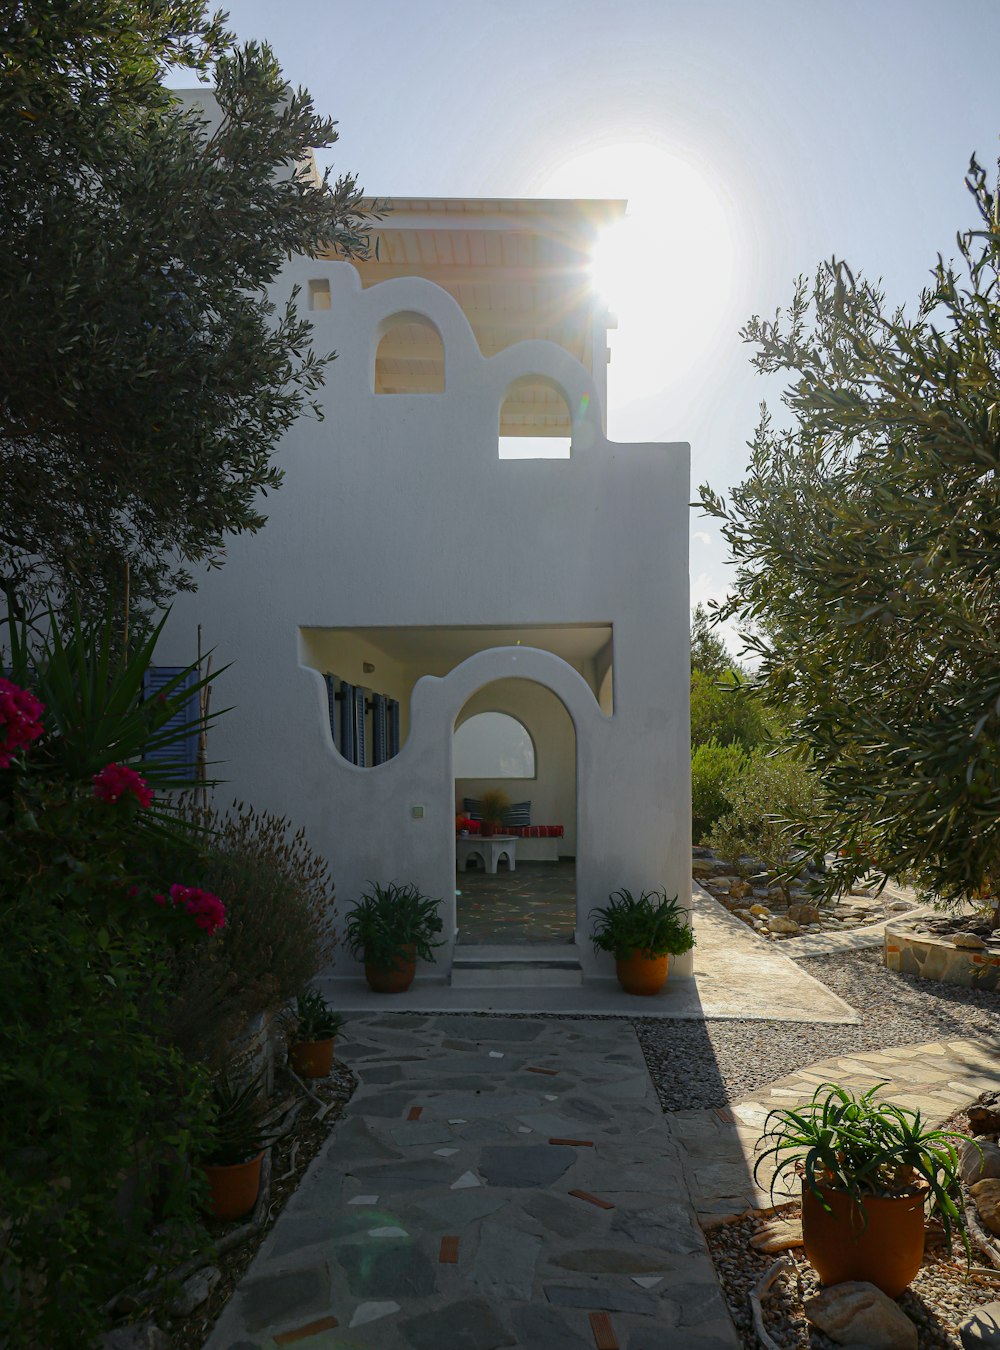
x=182, y=754
x=349, y=725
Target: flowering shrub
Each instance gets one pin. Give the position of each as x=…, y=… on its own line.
x=20, y=720
x=207, y=909
x=115, y=780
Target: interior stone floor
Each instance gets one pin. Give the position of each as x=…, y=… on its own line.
x=534, y=903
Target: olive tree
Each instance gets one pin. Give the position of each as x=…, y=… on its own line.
x=866, y=544
x=146, y=377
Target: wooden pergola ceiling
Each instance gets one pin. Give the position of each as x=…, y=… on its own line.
x=518, y=269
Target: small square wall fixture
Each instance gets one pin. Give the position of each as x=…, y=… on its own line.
x=417, y=812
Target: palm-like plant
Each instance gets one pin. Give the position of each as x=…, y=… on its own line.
x=654, y=923
x=863, y=1147
x=386, y=921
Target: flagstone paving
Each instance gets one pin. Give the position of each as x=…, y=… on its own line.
x=496, y=1182
x=718, y=1147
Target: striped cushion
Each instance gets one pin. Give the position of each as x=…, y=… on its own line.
x=472, y=807
x=518, y=814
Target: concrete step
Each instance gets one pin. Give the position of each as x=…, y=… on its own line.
x=509, y=974
x=551, y=955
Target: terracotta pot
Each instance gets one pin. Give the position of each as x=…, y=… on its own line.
x=642, y=973
x=487, y=829
x=887, y=1251
x=312, y=1059
x=233, y=1189
x=392, y=979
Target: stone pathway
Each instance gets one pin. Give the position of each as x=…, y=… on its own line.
x=496, y=1182
x=718, y=1147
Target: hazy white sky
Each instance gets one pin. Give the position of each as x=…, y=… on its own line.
x=753, y=138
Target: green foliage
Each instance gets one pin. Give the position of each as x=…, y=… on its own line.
x=653, y=923
x=714, y=768
x=387, y=920
x=315, y=1020
x=854, y=1144
x=91, y=686
x=279, y=928
x=709, y=653
x=236, y=1133
x=768, y=799
x=726, y=708
x=100, y=1113
x=136, y=247
x=867, y=540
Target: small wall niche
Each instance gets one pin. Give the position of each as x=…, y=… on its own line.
x=319, y=293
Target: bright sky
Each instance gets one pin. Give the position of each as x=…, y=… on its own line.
x=753, y=138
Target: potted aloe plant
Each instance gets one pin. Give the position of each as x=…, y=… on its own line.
x=642, y=934
x=316, y=1025
x=389, y=928
x=868, y=1169
x=235, y=1150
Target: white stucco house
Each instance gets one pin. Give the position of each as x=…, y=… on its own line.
x=409, y=577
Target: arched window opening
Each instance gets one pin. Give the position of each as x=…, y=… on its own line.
x=535, y=422
x=493, y=745
x=410, y=358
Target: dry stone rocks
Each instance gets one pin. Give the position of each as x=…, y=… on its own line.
x=786, y=927
x=984, y=1117
x=981, y=1329
x=978, y=1160
x=778, y=1236
x=856, y=1314
x=760, y=911
x=195, y=1290
x=987, y=1197
x=803, y=913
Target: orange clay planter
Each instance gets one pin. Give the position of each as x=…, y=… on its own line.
x=642, y=973
x=233, y=1189
x=887, y=1252
x=394, y=979
x=312, y=1059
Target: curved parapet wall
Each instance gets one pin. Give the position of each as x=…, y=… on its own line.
x=913, y=952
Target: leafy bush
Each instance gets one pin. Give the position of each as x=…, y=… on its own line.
x=279, y=928
x=100, y=1114
x=714, y=768
x=725, y=708
x=769, y=798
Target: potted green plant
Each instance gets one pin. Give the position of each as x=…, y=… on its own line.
x=235, y=1149
x=316, y=1025
x=868, y=1168
x=642, y=934
x=389, y=927
x=493, y=807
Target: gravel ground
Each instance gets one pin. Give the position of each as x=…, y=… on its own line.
x=703, y=1064
x=937, y=1301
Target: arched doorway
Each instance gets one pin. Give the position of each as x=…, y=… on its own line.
x=514, y=736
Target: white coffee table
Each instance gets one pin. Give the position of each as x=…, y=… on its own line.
x=491, y=850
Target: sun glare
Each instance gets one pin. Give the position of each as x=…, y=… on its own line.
x=665, y=270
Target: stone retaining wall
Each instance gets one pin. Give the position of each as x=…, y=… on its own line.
x=934, y=958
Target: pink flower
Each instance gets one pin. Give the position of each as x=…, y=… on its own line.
x=115, y=780
x=20, y=720
x=207, y=910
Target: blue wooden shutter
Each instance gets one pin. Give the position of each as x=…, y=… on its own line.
x=359, y=726
x=183, y=754
x=331, y=703
x=379, y=745
x=393, y=728
x=347, y=722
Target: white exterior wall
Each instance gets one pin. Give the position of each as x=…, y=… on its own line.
x=397, y=511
